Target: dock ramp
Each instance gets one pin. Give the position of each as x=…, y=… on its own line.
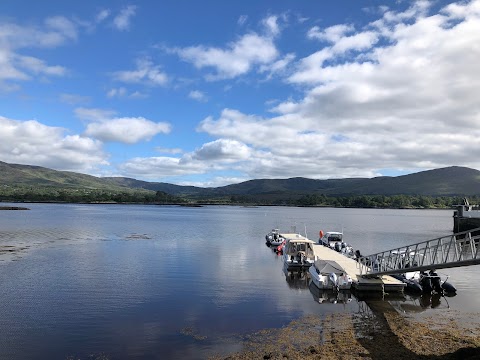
x=456, y=250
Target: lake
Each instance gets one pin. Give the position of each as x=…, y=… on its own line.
x=156, y=282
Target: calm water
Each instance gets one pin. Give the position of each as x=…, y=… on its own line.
x=152, y=282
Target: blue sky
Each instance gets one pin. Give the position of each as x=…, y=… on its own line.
x=210, y=93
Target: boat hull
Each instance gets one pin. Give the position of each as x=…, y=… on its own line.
x=324, y=281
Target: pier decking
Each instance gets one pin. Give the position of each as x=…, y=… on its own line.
x=382, y=283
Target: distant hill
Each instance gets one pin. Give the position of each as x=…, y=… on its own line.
x=14, y=174
x=159, y=186
x=449, y=181
x=453, y=180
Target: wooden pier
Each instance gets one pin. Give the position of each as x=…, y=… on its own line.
x=383, y=283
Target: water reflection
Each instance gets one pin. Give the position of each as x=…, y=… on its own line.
x=329, y=296
x=297, y=278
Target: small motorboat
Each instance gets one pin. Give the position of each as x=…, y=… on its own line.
x=328, y=274
x=298, y=252
x=420, y=282
x=271, y=234
x=274, y=238
x=334, y=240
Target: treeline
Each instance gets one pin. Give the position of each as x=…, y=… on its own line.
x=365, y=201
x=140, y=196
x=68, y=195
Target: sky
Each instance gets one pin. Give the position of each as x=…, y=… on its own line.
x=211, y=93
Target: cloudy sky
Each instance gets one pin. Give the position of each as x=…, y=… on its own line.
x=211, y=93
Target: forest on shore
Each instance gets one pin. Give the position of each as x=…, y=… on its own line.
x=136, y=196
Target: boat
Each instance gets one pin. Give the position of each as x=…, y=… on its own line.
x=328, y=274
x=274, y=238
x=298, y=251
x=279, y=248
x=271, y=234
x=420, y=282
x=466, y=217
x=334, y=240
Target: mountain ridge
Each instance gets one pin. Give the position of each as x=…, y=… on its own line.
x=447, y=181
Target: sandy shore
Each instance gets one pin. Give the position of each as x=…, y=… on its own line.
x=383, y=334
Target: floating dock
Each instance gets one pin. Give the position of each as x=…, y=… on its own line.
x=383, y=283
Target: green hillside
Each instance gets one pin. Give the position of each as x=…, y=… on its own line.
x=27, y=175
x=449, y=181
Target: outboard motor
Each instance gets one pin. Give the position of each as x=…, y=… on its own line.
x=449, y=289
x=333, y=279
x=300, y=257
x=357, y=255
x=435, y=280
x=338, y=247
x=426, y=283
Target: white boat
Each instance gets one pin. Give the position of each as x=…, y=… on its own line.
x=273, y=238
x=298, y=251
x=334, y=240
x=271, y=234
x=328, y=274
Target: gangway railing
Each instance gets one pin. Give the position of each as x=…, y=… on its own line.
x=459, y=249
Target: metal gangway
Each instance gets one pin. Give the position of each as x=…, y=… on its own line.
x=459, y=249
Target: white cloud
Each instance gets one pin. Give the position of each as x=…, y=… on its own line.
x=117, y=92
x=122, y=20
x=146, y=73
x=36, y=66
x=74, y=99
x=15, y=66
x=330, y=34
x=168, y=150
x=236, y=59
x=408, y=101
x=218, y=155
x=271, y=24
x=161, y=167
x=242, y=20
x=215, y=181
x=277, y=67
x=126, y=130
x=197, y=95
x=30, y=142
x=62, y=25
x=91, y=114
x=102, y=15
x=223, y=150
x=104, y=126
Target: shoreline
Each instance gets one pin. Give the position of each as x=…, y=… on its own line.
x=382, y=334
x=13, y=208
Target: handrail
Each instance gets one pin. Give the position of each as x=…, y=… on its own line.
x=459, y=249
